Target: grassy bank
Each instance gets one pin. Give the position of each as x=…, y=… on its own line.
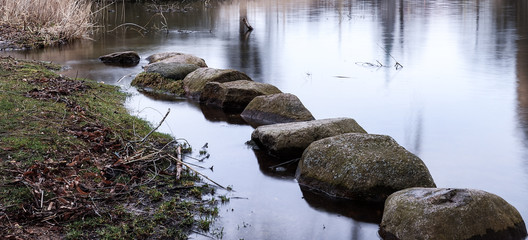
x=39, y=23
x=74, y=164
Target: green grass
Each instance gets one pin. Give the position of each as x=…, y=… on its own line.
x=68, y=142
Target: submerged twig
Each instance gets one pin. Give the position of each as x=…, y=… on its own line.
x=285, y=163
x=398, y=66
x=249, y=27
x=127, y=24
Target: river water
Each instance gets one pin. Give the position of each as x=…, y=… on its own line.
x=460, y=101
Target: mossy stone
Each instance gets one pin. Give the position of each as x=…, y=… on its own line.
x=447, y=213
x=361, y=166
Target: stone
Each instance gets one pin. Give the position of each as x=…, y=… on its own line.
x=156, y=84
x=360, y=166
x=129, y=58
x=176, y=57
x=234, y=96
x=172, y=70
x=289, y=140
x=276, y=108
x=195, y=82
x=448, y=213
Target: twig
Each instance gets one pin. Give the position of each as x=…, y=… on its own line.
x=95, y=12
x=198, y=166
x=156, y=128
x=197, y=159
x=284, y=163
x=123, y=77
x=398, y=66
x=245, y=21
x=41, y=198
x=179, y=164
x=199, y=233
x=142, y=158
x=95, y=207
x=203, y=175
x=126, y=24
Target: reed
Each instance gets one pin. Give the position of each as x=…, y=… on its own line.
x=49, y=20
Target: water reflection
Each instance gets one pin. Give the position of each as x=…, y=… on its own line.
x=359, y=211
x=521, y=67
x=214, y=114
x=274, y=167
x=460, y=103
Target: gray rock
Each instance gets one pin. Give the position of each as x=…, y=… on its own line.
x=121, y=58
x=289, y=140
x=195, y=82
x=172, y=70
x=276, y=108
x=444, y=213
x=234, y=96
x=177, y=57
x=361, y=167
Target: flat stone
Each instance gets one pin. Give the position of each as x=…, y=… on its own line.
x=172, y=70
x=177, y=57
x=234, y=96
x=289, y=140
x=276, y=108
x=195, y=82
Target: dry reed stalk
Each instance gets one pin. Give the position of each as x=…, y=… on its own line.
x=51, y=20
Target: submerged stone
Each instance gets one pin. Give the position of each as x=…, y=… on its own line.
x=361, y=166
x=289, y=140
x=276, y=108
x=234, y=96
x=447, y=213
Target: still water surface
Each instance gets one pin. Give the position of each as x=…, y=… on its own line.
x=460, y=102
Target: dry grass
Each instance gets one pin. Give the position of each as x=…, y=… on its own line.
x=50, y=21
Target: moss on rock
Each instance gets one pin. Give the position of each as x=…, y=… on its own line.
x=195, y=82
x=154, y=82
x=361, y=167
x=276, y=108
x=234, y=96
x=446, y=213
x=289, y=140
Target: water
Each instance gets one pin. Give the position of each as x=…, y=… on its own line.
x=460, y=102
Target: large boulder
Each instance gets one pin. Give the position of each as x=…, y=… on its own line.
x=445, y=213
x=361, y=166
x=195, y=82
x=177, y=57
x=234, y=96
x=276, y=108
x=289, y=140
x=128, y=58
x=155, y=83
x=172, y=70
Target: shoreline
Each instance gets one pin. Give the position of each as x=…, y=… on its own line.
x=75, y=162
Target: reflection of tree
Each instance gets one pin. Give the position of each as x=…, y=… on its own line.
x=245, y=55
x=387, y=12
x=521, y=21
